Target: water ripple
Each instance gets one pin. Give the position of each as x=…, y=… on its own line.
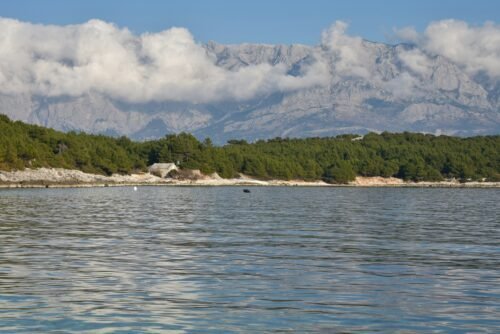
x=167, y=259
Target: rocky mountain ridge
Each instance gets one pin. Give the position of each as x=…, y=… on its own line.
x=369, y=87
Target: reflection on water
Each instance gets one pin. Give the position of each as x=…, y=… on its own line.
x=278, y=259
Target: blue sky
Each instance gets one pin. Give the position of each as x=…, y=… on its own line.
x=269, y=21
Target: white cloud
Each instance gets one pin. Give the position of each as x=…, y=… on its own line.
x=351, y=57
x=98, y=56
x=475, y=48
x=171, y=66
x=417, y=61
x=407, y=34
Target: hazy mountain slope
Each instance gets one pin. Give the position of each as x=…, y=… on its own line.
x=385, y=87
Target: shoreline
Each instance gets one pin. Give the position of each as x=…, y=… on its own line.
x=66, y=178
x=201, y=185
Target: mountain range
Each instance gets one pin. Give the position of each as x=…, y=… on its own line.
x=381, y=88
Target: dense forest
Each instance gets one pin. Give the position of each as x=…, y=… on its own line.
x=410, y=156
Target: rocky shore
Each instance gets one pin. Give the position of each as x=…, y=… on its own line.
x=58, y=177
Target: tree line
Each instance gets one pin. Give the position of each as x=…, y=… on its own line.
x=410, y=156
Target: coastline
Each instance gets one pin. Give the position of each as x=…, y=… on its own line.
x=66, y=178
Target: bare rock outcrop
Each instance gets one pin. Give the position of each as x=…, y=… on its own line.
x=187, y=174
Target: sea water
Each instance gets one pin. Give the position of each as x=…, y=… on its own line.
x=216, y=259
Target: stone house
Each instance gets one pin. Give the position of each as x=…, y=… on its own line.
x=162, y=169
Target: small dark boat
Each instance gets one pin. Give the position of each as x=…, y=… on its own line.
x=246, y=190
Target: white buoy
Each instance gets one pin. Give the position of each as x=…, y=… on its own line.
x=135, y=188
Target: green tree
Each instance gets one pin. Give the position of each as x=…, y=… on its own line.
x=342, y=172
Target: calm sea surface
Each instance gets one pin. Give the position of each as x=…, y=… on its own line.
x=181, y=259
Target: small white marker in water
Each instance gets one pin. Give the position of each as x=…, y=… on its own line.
x=135, y=188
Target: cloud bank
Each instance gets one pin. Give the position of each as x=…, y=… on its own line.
x=98, y=56
x=170, y=65
x=350, y=56
x=475, y=48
